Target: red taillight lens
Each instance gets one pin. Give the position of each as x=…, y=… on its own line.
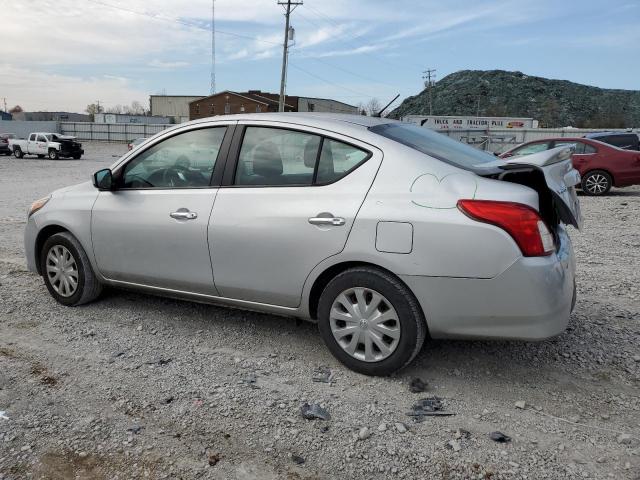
x=520, y=221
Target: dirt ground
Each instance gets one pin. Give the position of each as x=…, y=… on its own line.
x=136, y=386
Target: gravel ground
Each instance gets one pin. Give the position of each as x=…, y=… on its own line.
x=136, y=386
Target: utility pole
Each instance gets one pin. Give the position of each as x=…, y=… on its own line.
x=429, y=76
x=212, y=89
x=98, y=106
x=285, y=53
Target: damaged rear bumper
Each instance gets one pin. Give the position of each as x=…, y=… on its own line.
x=530, y=300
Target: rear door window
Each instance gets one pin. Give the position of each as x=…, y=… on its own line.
x=42, y=138
x=276, y=156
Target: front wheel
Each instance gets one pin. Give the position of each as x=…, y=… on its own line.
x=371, y=321
x=67, y=271
x=77, y=157
x=17, y=152
x=53, y=154
x=596, y=182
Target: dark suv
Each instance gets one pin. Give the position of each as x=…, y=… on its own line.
x=627, y=141
x=4, y=143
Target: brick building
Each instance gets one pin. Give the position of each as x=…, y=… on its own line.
x=256, y=101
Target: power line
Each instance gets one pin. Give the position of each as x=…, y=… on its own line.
x=181, y=22
x=353, y=37
x=360, y=94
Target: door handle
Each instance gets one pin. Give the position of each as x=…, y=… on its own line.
x=183, y=214
x=334, y=221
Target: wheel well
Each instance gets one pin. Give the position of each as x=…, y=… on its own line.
x=325, y=277
x=45, y=233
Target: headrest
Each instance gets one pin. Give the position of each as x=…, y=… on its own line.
x=267, y=161
x=311, y=152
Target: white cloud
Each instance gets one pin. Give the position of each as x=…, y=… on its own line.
x=167, y=65
x=36, y=90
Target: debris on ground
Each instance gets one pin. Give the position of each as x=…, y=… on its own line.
x=401, y=427
x=313, y=411
x=135, y=429
x=297, y=459
x=322, y=375
x=426, y=407
x=214, y=458
x=251, y=380
x=454, y=445
x=160, y=361
x=461, y=433
x=364, y=433
x=3, y=415
x=499, y=437
x=521, y=404
x=417, y=385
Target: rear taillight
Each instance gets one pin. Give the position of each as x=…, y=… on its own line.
x=520, y=221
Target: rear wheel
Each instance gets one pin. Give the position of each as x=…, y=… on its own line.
x=17, y=152
x=67, y=271
x=370, y=321
x=596, y=182
x=53, y=154
x=77, y=157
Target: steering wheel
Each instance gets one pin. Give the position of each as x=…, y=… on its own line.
x=175, y=176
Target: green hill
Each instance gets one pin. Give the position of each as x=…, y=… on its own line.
x=555, y=103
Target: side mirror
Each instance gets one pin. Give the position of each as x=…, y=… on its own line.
x=103, y=179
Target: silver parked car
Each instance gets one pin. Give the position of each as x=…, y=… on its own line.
x=381, y=232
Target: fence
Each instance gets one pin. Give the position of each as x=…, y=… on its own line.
x=111, y=132
x=500, y=140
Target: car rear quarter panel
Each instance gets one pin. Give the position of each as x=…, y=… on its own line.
x=445, y=243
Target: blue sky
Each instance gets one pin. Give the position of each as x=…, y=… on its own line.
x=64, y=54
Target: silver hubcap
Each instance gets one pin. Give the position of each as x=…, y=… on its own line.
x=596, y=183
x=365, y=324
x=62, y=271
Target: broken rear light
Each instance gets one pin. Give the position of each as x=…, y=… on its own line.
x=520, y=221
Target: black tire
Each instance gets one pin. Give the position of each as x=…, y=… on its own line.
x=88, y=287
x=77, y=157
x=413, y=327
x=17, y=152
x=53, y=154
x=596, y=183
x=41, y=156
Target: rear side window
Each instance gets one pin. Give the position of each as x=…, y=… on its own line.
x=276, y=157
x=42, y=138
x=435, y=145
x=589, y=149
x=337, y=160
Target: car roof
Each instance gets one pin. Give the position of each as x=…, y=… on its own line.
x=607, y=134
x=305, y=118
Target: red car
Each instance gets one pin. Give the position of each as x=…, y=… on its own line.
x=601, y=165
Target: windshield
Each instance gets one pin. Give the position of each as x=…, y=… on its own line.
x=436, y=145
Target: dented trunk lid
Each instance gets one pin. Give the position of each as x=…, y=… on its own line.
x=561, y=179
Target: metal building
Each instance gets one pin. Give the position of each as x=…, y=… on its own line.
x=176, y=107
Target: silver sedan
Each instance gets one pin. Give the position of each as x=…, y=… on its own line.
x=382, y=232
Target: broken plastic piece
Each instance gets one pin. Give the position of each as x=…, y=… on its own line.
x=313, y=411
x=499, y=437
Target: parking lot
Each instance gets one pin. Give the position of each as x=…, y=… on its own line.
x=136, y=386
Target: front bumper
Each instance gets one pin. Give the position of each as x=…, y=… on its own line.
x=30, y=237
x=531, y=300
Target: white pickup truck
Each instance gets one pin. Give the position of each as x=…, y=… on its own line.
x=42, y=144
